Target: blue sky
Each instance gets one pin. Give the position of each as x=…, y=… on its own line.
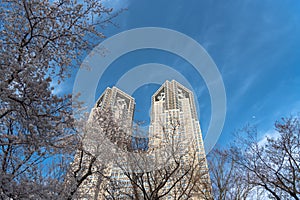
x=255, y=45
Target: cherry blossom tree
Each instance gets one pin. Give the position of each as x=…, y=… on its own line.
x=228, y=181
x=271, y=167
x=254, y=168
x=40, y=42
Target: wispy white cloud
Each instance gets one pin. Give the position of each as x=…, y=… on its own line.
x=116, y=4
x=245, y=85
x=271, y=133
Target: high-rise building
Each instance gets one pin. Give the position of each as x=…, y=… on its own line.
x=115, y=108
x=173, y=104
x=174, y=123
x=120, y=104
x=173, y=118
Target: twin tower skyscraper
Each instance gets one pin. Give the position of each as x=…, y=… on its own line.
x=171, y=101
x=173, y=118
